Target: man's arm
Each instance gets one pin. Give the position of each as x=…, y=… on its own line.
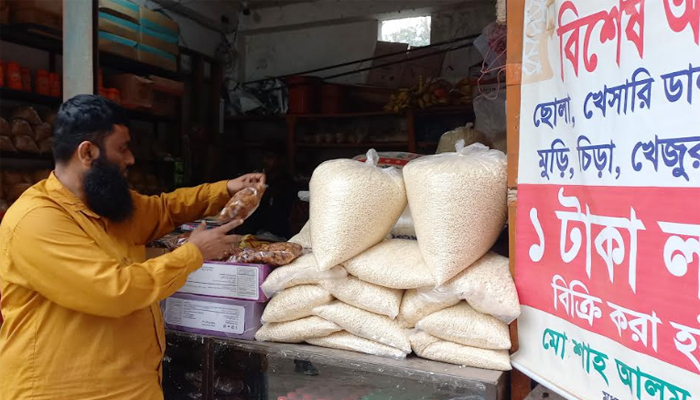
x=65, y=265
x=156, y=216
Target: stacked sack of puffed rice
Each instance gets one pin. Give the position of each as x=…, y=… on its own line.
x=443, y=296
x=354, y=206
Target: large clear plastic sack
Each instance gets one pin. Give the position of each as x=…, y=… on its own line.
x=303, y=271
x=467, y=133
x=353, y=207
x=458, y=203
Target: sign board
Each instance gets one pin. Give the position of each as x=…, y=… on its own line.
x=608, y=223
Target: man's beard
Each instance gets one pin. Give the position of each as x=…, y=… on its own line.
x=107, y=191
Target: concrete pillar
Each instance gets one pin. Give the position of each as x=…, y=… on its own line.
x=79, y=47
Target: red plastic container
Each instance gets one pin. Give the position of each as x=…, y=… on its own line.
x=2, y=74
x=304, y=93
x=14, y=76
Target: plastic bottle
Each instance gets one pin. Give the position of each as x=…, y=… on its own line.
x=14, y=76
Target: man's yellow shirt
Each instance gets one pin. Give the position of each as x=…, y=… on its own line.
x=80, y=301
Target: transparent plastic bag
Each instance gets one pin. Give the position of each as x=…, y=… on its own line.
x=467, y=133
x=466, y=326
x=296, y=331
x=303, y=238
x=416, y=306
x=472, y=181
x=6, y=144
x=364, y=295
x=25, y=144
x=487, y=286
x=432, y=348
x=395, y=263
x=349, y=342
x=274, y=254
x=404, y=229
x=243, y=204
x=375, y=327
x=295, y=303
x=353, y=207
x=303, y=271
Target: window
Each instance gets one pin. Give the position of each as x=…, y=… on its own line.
x=414, y=31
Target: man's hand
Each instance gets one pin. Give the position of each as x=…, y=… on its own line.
x=242, y=182
x=215, y=244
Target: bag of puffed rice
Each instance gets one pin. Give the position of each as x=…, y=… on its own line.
x=303, y=238
x=415, y=306
x=462, y=324
x=458, y=203
x=295, y=303
x=353, y=207
x=349, y=342
x=365, y=324
x=364, y=295
x=303, y=271
x=296, y=331
x=488, y=287
x=432, y=348
x=395, y=263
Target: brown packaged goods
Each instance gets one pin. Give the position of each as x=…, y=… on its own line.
x=38, y=17
x=5, y=127
x=45, y=146
x=14, y=191
x=135, y=91
x=168, y=86
x=20, y=127
x=28, y=114
x=42, y=132
x=25, y=143
x=50, y=118
x=243, y=204
x=120, y=8
x=274, y=254
x=6, y=144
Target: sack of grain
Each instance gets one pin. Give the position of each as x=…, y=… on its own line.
x=462, y=324
x=365, y=324
x=349, y=342
x=458, y=202
x=353, y=207
x=303, y=238
x=488, y=287
x=364, y=295
x=415, y=306
x=467, y=133
x=432, y=348
x=395, y=263
x=303, y=271
x=295, y=303
x=296, y=331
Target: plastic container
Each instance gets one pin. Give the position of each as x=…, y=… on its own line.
x=303, y=94
x=42, y=82
x=55, y=84
x=26, y=79
x=234, y=319
x=2, y=74
x=14, y=76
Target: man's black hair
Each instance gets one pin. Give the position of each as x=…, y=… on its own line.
x=85, y=117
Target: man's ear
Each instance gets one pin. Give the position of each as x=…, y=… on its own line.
x=88, y=153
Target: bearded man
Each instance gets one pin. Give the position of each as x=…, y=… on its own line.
x=79, y=299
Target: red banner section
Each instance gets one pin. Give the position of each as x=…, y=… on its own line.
x=623, y=262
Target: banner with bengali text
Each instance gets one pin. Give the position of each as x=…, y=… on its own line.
x=608, y=220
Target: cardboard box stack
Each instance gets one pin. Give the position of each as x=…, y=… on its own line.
x=134, y=32
x=44, y=13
